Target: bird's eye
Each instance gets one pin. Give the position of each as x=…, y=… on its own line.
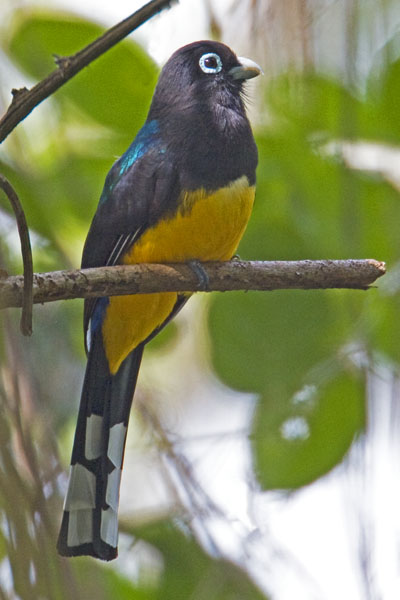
x=210, y=63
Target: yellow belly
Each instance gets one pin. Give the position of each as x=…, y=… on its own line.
x=207, y=227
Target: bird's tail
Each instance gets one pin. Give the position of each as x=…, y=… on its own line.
x=90, y=520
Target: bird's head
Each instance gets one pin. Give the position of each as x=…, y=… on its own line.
x=202, y=72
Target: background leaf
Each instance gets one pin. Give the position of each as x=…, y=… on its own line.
x=35, y=40
x=299, y=439
x=191, y=573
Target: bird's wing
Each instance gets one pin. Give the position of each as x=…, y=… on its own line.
x=142, y=187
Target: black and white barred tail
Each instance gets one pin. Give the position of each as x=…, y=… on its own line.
x=90, y=519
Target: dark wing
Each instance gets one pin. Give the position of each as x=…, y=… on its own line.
x=131, y=202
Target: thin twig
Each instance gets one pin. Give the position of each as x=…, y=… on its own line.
x=24, y=100
x=27, y=280
x=180, y=277
x=188, y=489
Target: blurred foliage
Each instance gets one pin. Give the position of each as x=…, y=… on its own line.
x=73, y=152
x=36, y=39
x=205, y=577
x=59, y=176
x=304, y=354
x=311, y=204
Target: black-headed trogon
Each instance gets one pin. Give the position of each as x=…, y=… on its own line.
x=183, y=191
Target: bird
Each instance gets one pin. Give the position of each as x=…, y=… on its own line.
x=182, y=192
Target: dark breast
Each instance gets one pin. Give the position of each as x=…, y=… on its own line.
x=211, y=148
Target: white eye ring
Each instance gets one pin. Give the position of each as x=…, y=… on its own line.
x=205, y=57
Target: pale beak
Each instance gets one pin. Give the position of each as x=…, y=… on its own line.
x=246, y=70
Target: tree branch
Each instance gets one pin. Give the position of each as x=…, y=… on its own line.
x=24, y=100
x=26, y=251
x=231, y=275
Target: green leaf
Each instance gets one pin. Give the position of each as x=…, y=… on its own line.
x=381, y=318
x=167, y=336
x=115, y=89
x=314, y=103
x=312, y=206
x=296, y=441
x=269, y=341
x=3, y=547
x=383, y=87
x=59, y=201
x=191, y=573
x=98, y=581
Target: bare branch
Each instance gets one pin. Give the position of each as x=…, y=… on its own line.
x=27, y=279
x=24, y=100
x=231, y=275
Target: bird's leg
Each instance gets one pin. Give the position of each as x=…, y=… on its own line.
x=200, y=273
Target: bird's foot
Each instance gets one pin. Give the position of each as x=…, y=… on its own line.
x=201, y=274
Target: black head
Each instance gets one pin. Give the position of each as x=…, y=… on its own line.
x=201, y=116
x=204, y=72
